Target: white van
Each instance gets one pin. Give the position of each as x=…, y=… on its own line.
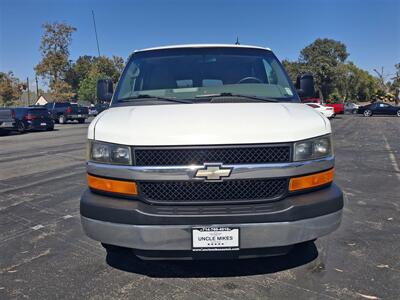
x=207, y=151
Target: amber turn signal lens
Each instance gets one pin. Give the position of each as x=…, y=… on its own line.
x=112, y=186
x=310, y=181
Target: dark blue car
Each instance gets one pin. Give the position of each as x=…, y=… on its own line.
x=379, y=108
x=32, y=118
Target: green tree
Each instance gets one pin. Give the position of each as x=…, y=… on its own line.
x=323, y=58
x=119, y=64
x=89, y=67
x=109, y=67
x=87, y=87
x=353, y=83
x=395, y=85
x=294, y=68
x=54, y=47
x=93, y=68
x=10, y=88
x=79, y=70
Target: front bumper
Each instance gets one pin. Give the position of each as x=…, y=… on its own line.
x=37, y=124
x=178, y=237
x=7, y=125
x=134, y=224
x=77, y=116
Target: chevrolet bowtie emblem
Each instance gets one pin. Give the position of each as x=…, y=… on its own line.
x=213, y=172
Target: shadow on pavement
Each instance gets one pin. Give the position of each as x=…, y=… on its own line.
x=11, y=133
x=338, y=117
x=300, y=255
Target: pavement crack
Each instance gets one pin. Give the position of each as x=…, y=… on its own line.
x=25, y=261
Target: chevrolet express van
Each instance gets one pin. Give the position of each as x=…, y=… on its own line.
x=206, y=151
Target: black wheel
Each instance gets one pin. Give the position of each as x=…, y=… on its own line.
x=51, y=128
x=398, y=113
x=62, y=119
x=367, y=113
x=81, y=121
x=113, y=248
x=21, y=127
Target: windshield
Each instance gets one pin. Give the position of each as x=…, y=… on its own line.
x=39, y=112
x=195, y=73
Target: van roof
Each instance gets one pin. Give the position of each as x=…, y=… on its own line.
x=202, y=46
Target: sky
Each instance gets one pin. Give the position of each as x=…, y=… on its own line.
x=369, y=28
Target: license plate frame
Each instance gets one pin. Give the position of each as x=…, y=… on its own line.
x=215, y=238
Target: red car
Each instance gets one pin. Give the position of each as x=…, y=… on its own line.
x=338, y=107
x=311, y=100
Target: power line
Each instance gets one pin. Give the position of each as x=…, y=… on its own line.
x=95, y=31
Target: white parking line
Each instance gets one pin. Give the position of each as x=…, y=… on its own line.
x=37, y=227
x=67, y=217
x=392, y=158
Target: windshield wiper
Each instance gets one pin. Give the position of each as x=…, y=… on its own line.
x=212, y=96
x=147, y=96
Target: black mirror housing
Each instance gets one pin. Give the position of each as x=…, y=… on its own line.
x=104, y=90
x=305, y=86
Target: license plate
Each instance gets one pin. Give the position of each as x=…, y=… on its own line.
x=43, y=124
x=215, y=239
x=79, y=116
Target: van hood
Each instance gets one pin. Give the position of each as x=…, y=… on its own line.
x=208, y=124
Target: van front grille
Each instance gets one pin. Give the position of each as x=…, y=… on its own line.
x=229, y=191
x=209, y=154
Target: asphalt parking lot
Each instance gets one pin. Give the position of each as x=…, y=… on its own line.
x=45, y=255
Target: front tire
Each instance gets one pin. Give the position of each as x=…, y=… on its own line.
x=81, y=121
x=21, y=127
x=367, y=113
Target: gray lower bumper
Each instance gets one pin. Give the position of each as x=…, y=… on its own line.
x=178, y=237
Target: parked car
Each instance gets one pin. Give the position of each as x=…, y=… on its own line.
x=325, y=110
x=311, y=100
x=32, y=118
x=379, y=108
x=92, y=111
x=338, y=107
x=247, y=172
x=62, y=112
x=97, y=108
x=7, y=120
x=351, y=107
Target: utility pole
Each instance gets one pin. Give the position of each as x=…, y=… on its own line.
x=95, y=31
x=37, y=88
x=27, y=85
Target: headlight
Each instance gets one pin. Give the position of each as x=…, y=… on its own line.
x=109, y=153
x=313, y=148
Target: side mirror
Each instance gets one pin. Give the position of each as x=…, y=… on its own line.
x=305, y=86
x=104, y=90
